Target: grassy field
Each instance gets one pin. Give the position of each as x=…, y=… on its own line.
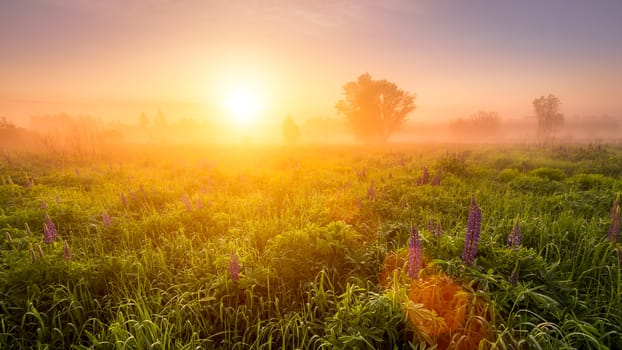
x=315, y=247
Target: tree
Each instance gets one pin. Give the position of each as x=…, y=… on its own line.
x=290, y=130
x=547, y=113
x=375, y=109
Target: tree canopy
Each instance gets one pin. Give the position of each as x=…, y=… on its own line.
x=547, y=113
x=375, y=109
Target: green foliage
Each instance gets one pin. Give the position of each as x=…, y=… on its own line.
x=312, y=243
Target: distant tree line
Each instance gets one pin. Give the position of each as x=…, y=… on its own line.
x=376, y=109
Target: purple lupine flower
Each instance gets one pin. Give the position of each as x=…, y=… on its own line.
x=123, y=199
x=106, y=219
x=473, y=231
x=49, y=230
x=515, y=237
x=425, y=177
x=371, y=191
x=436, y=181
x=414, y=254
x=199, y=204
x=44, y=205
x=362, y=174
x=234, y=266
x=187, y=202
x=66, y=251
x=438, y=231
x=430, y=226
x=614, y=228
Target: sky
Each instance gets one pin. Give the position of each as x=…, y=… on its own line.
x=114, y=59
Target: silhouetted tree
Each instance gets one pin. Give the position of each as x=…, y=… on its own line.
x=547, y=113
x=290, y=130
x=375, y=109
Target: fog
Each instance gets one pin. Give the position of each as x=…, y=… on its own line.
x=83, y=135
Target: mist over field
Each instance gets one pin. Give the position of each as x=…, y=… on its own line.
x=205, y=174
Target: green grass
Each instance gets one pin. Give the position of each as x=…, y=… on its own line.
x=311, y=243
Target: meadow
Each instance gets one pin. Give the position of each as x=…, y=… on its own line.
x=328, y=247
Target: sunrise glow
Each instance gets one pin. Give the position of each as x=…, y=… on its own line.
x=243, y=106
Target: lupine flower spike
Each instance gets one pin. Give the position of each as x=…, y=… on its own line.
x=371, y=191
x=472, y=234
x=187, y=202
x=49, y=230
x=234, y=267
x=414, y=254
x=437, y=179
x=515, y=237
x=123, y=199
x=66, y=251
x=106, y=219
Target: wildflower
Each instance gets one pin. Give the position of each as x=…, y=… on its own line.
x=44, y=205
x=473, y=232
x=187, y=202
x=199, y=204
x=438, y=231
x=362, y=174
x=234, y=267
x=39, y=251
x=425, y=177
x=371, y=191
x=614, y=228
x=414, y=254
x=49, y=230
x=437, y=178
x=66, y=251
x=515, y=237
x=106, y=219
x=123, y=200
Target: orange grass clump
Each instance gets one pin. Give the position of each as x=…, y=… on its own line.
x=442, y=309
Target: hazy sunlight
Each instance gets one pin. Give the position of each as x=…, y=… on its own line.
x=244, y=106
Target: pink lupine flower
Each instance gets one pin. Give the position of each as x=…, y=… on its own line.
x=49, y=230
x=234, y=267
x=414, y=254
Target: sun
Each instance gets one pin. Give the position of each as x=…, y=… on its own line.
x=244, y=106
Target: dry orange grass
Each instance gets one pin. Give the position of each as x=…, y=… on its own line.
x=439, y=308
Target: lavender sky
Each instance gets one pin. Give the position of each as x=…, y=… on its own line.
x=115, y=58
